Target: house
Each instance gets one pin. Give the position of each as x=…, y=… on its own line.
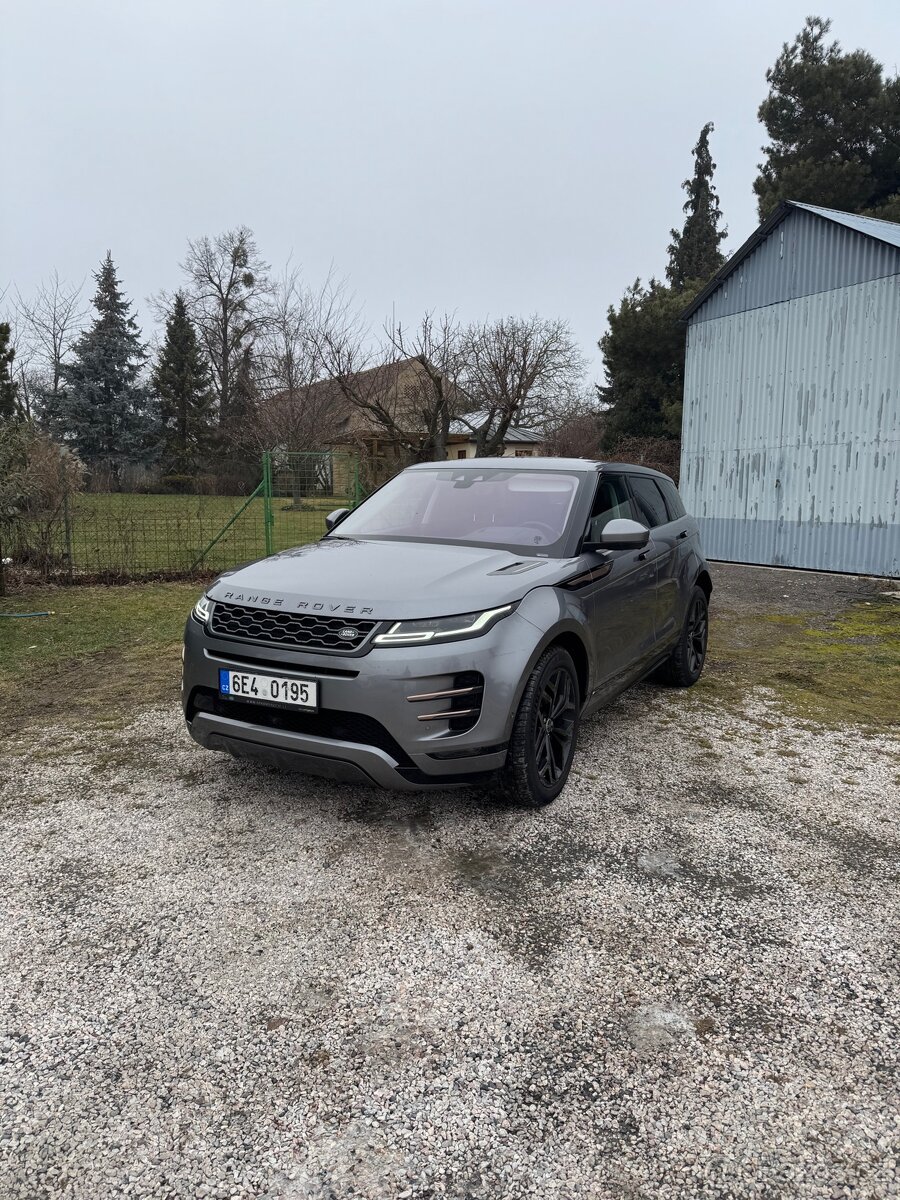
x=791, y=428
x=517, y=442
x=355, y=431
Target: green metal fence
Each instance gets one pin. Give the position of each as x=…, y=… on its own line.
x=301, y=489
x=134, y=535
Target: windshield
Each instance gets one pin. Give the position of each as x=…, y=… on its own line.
x=525, y=510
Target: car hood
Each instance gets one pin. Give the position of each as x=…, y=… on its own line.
x=387, y=580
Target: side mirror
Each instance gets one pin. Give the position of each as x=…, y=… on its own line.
x=621, y=534
x=335, y=518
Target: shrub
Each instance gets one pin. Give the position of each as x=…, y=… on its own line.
x=37, y=478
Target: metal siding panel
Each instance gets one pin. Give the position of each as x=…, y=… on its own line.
x=842, y=430
x=886, y=231
x=803, y=255
x=791, y=436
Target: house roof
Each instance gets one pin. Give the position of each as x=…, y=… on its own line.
x=466, y=427
x=882, y=231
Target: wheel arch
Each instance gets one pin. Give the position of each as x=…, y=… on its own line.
x=571, y=642
x=704, y=581
x=570, y=638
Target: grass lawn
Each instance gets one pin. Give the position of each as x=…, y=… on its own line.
x=104, y=654
x=133, y=534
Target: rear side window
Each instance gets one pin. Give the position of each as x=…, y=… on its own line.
x=613, y=500
x=649, y=500
x=673, y=500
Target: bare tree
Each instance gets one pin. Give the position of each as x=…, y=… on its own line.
x=518, y=371
x=46, y=327
x=407, y=388
x=433, y=397
x=227, y=292
x=296, y=411
x=577, y=434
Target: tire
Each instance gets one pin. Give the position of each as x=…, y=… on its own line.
x=685, y=665
x=540, y=757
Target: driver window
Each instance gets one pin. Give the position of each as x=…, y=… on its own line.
x=613, y=500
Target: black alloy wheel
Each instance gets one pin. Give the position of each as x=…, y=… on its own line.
x=686, y=662
x=545, y=731
x=554, y=726
x=697, y=634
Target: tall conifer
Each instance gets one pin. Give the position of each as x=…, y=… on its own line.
x=182, y=386
x=8, y=386
x=103, y=408
x=833, y=122
x=694, y=253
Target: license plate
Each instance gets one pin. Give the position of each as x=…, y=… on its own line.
x=271, y=689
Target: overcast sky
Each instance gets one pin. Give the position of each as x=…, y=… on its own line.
x=479, y=156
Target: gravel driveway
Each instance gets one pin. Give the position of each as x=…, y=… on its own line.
x=681, y=980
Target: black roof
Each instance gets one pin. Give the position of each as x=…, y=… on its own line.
x=536, y=463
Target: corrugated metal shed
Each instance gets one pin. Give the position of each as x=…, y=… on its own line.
x=791, y=433
x=884, y=231
x=800, y=250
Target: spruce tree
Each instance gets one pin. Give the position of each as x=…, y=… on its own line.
x=834, y=127
x=103, y=409
x=694, y=253
x=182, y=386
x=643, y=358
x=8, y=386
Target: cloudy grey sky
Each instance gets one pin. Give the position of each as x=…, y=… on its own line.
x=480, y=156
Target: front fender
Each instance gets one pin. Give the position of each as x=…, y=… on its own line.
x=555, y=614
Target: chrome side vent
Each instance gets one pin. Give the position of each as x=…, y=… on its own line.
x=459, y=705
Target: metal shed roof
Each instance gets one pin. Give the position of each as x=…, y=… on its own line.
x=884, y=232
x=468, y=425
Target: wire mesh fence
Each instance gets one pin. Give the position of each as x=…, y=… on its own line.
x=303, y=490
x=134, y=535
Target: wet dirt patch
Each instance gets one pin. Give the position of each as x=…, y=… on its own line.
x=518, y=888
x=69, y=885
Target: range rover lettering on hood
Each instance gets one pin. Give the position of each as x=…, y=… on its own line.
x=386, y=581
x=307, y=605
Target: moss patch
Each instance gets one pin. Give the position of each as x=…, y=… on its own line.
x=839, y=670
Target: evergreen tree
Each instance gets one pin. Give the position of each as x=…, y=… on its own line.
x=834, y=127
x=694, y=252
x=239, y=433
x=103, y=409
x=8, y=386
x=643, y=356
x=182, y=387
x=244, y=397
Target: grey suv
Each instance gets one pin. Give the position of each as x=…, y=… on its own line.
x=455, y=627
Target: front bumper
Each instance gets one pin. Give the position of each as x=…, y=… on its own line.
x=368, y=729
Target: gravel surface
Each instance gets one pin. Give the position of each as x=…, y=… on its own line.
x=681, y=980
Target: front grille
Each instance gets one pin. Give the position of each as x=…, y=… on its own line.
x=326, y=723
x=311, y=631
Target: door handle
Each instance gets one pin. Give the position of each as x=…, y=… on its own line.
x=683, y=533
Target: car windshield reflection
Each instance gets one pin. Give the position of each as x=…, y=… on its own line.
x=527, y=510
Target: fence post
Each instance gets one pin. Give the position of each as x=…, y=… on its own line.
x=356, y=495
x=67, y=531
x=268, y=515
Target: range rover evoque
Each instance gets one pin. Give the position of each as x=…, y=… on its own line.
x=453, y=628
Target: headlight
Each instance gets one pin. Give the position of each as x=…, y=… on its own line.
x=468, y=625
x=202, y=610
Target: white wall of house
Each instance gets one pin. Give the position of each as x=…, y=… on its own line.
x=513, y=450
